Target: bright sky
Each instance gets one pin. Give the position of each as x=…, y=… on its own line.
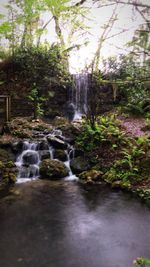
x=98, y=17
x=113, y=46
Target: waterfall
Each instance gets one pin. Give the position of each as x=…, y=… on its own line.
x=33, y=152
x=28, y=162
x=79, y=94
x=70, y=152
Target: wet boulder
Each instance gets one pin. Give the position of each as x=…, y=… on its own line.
x=79, y=165
x=60, y=154
x=56, y=142
x=44, y=154
x=71, y=131
x=30, y=157
x=43, y=145
x=53, y=169
x=70, y=111
x=17, y=147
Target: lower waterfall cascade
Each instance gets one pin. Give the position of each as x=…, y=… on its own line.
x=29, y=159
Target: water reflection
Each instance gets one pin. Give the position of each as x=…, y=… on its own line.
x=61, y=224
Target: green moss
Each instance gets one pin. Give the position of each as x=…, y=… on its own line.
x=91, y=176
x=53, y=169
x=9, y=164
x=6, y=155
x=22, y=133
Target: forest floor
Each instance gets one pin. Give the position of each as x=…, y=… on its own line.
x=135, y=126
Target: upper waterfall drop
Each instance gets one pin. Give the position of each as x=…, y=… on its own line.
x=79, y=94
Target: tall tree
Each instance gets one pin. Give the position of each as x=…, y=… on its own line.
x=63, y=14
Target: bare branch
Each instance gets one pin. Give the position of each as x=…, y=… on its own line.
x=46, y=24
x=141, y=13
x=132, y=3
x=80, y=3
x=103, y=37
x=43, y=28
x=125, y=30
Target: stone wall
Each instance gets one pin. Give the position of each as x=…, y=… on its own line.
x=19, y=88
x=53, y=106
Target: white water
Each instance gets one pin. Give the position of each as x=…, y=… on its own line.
x=79, y=94
x=69, y=152
x=29, y=159
x=28, y=170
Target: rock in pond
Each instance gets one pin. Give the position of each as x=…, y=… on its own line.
x=91, y=176
x=79, y=165
x=53, y=169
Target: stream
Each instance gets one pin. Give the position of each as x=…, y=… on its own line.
x=67, y=224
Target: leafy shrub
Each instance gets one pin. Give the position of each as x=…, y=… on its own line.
x=106, y=130
x=128, y=169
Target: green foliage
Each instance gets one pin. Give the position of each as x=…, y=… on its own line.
x=130, y=76
x=37, y=101
x=147, y=123
x=39, y=72
x=23, y=26
x=128, y=170
x=44, y=62
x=140, y=42
x=134, y=109
x=143, y=262
x=144, y=193
x=5, y=28
x=106, y=130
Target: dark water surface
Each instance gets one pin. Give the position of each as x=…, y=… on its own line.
x=64, y=224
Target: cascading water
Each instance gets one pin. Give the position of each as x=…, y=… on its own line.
x=32, y=154
x=70, y=155
x=28, y=162
x=79, y=94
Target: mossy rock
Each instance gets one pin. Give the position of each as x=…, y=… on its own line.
x=79, y=165
x=71, y=130
x=60, y=154
x=40, y=127
x=43, y=145
x=6, y=155
x=1, y=165
x=22, y=133
x=56, y=142
x=121, y=185
x=59, y=121
x=44, y=154
x=53, y=169
x=9, y=177
x=10, y=164
x=8, y=173
x=91, y=176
